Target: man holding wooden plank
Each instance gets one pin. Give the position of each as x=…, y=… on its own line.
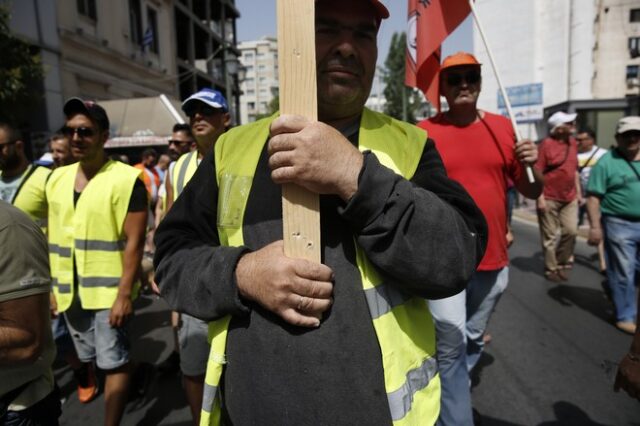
x=349, y=340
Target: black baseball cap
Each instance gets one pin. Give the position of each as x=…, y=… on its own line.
x=89, y=108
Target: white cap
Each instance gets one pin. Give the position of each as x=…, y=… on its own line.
x=559, y=118
x=628, y=124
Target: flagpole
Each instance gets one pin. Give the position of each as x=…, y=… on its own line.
x=497, y=74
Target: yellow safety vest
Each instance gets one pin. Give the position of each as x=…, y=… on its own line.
x=30, y=197
x=183, y=171
x=403, y=324
x=92, y=231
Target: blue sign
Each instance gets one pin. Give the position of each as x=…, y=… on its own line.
x=525, y=95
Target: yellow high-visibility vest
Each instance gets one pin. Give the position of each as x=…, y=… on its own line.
x=183, y=171
x=30, y=197
x=92, y=231
x=403, y=324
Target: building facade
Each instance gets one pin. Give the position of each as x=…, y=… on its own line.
x=560, y=55
x=116, y=49
x=260, y=86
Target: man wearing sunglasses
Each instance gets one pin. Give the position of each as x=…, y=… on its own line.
x=97, y=219
x=479, y=151
x=348, y=340
x=21, y=182
x=209, y=117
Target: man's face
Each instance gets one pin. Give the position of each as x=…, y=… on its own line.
x=565, y=130
x=149, y=161
x=585, y=142
x=180, y=143
x=9, y=157
x=86, y=139
x=61, y=152
x=207, y=123
x=461, y=85
x=629, y=141
x=346, y=54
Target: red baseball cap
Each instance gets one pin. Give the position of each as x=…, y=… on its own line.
x=381, y=9
x=459, y=59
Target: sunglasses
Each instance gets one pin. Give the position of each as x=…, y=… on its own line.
x=204, y=110
x=455, y=79
x=179, y=143
x=82, y=132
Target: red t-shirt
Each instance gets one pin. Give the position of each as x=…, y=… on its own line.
x=481, y=157
x=559, y=183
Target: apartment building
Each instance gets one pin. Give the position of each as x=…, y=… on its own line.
x=117, y=49
x=260, y=86
x=573, y=55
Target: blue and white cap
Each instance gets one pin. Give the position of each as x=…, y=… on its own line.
x=211, y=97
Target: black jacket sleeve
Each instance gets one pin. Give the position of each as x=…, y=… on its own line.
x=426, y=235
x=189, y=257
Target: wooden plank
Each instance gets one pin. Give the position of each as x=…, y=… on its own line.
x=298, y=95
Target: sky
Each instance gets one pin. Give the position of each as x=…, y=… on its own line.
x=258, y=19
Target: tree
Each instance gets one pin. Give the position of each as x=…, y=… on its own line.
x=402, y=101
x=20, y=75
x=274, y=105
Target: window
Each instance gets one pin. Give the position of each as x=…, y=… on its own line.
x=634, y=47
x=634, y=15
x=250, y=82
x=151, y=33
x=135, y=22
x=262, y=67
x=87, y=8
x=249, y=68
x=251, y=92
x=251, y=105
x=633, y=71
x=248, y=55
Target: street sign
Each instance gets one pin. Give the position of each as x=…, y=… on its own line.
x=526, y=102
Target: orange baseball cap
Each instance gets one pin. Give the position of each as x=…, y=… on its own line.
x=459, y=59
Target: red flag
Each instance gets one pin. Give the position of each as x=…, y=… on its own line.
x=429, y=24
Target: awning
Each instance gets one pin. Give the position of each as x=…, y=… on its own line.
x=142, y=121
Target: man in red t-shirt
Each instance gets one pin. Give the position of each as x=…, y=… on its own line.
x=478, y=150
x=558, y=205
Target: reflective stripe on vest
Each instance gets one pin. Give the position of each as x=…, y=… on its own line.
x=91, y=232
x=185, y=168
x=402, y=323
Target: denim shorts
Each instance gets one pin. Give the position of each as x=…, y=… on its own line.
x=94, y=338
x=194, y=345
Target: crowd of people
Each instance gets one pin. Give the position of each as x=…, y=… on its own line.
x=415, y=237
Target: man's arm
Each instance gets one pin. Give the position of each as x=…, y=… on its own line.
x=579, y=190
x=195, y=274
x=527, y=154
x=168, y=186
x=426, y=236
x=595, y=226
x=628, y=377
x=23, y=324
x=135, y=225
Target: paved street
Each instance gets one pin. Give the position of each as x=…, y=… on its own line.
x=551, y=361
x=554, y=350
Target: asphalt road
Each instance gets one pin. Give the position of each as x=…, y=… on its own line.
x=551, y=361
x=554, y=350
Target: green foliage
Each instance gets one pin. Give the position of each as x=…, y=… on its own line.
x=20, y=75
x=274, y=105
x=395, y=92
